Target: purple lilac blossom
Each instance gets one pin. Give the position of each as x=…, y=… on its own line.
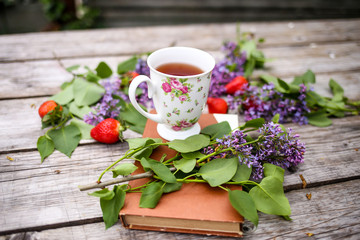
x=235, y=141
x=277, y=147
x=265, y=102
x=226, y=69
x=106, y=107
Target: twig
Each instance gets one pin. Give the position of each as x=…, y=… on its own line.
x=115, y=181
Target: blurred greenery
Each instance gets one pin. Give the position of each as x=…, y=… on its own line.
x=46, y=15
x=68, y=15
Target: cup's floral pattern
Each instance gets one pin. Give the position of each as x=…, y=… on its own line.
x=184, y=124
x=184, y=95
x=177, y=88
x=190, y=110
x=176, y=111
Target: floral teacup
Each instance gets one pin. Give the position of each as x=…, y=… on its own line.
x=178, y=100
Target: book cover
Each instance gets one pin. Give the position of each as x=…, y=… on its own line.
x=196, y=208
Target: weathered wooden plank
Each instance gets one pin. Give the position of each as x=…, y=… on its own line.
x=41, y=78
x=127, y=41
x=332, y=212
x=47, y=194
x=44, y=198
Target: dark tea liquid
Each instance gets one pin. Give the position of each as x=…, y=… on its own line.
x=179, y=69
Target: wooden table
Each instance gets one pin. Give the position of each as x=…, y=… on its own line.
x=42, y=201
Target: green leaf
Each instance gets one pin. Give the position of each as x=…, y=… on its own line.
x=185, y=165
x=253, y=123
x=249, y=67
x=73, y=68
x=306, y=78
x=275, y=171
x=249, y=47
x=309, y=77
x=65, y=139
x=103, y=70
x=276, y=118
x=243, y=173
x=86, y=93
x=92, y=77
x=65, y=96
x=45, y=147
x=162, y=171
x=319, y=119
x=123, y=169
x=145, y=163
x=219, y=171
x=313, y=98
x=128, y=65
x=171, y=187
x=83, y=127
x=151, y=195
x=193, y=155
x=269, y=198
x=337, y=91
x=283, y=85
x=217, y=130
x=244, y=205
x=144, y=153
x=112, y=207
x=133, y=118
x=103, y=193
x=135, y=143
x=190, y=144
x=79, y=111
x=279, y=84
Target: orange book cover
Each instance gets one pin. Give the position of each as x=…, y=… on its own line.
x=196, y=208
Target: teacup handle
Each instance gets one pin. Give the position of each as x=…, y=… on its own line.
x=132, y=95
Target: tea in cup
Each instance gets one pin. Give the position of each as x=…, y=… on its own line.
x=179, y=84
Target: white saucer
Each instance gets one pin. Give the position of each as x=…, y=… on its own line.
x=169, y=134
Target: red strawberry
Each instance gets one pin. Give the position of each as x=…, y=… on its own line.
x=217, y=105
x=236, y=84
x=47, y=107
x=133, y=75
x=246, y=105
x=107, y=131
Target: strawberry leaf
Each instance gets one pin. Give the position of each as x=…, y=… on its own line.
x=65, y=96
x=79, y=111
x=86, y=93
x=83, y=127
x=66, y=138
x=45, y=147
x=111, y=207
x=103, y=70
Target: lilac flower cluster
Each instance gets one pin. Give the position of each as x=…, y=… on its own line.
x=277, y=147
x=108, y=107
x=273, y=146
x=227, y=69
x=266, y=102
x=143, y=69
x=235, y=142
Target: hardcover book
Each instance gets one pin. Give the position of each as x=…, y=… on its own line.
x=196, y=208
